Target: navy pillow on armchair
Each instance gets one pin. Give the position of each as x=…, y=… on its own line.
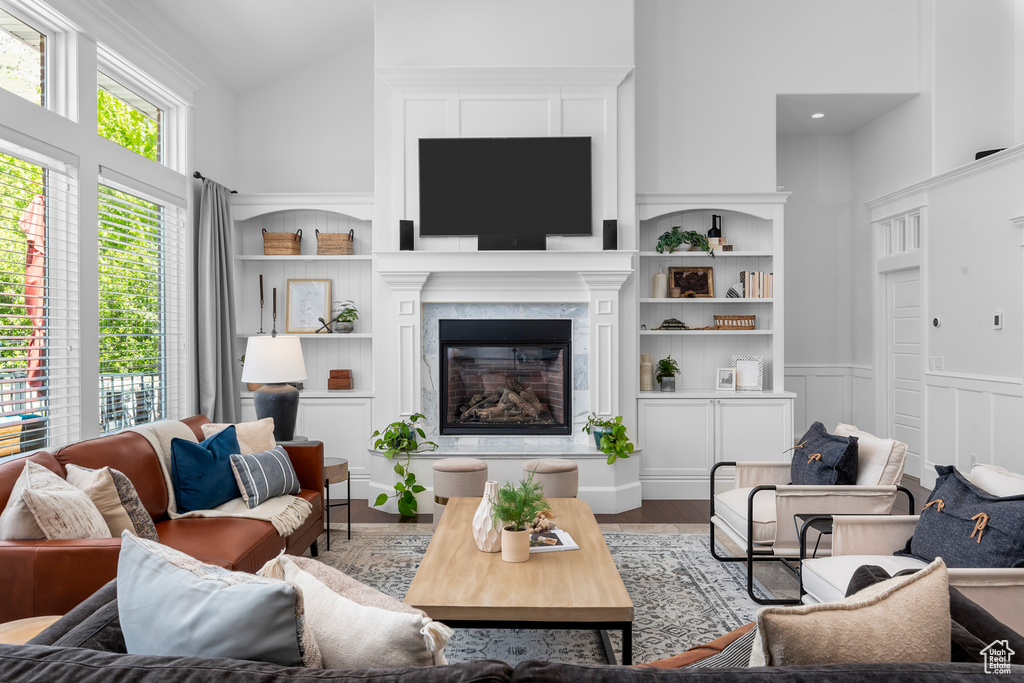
x=823, y=459
x=967, y=526
x=201, y=472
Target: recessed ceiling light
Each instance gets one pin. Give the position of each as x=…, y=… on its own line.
x=819, y=115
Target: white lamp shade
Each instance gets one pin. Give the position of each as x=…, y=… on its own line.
x=270, y=360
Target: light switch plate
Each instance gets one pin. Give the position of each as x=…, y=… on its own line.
x=997, y=320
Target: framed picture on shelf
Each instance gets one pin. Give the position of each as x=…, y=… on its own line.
x=307, y=302
x=692, y=281
x=749, y=372
x=726, y=379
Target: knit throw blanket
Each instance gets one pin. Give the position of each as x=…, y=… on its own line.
x=286, y=513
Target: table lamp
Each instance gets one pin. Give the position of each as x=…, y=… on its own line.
x=275, y=361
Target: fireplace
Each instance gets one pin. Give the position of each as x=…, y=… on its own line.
x=505, y=377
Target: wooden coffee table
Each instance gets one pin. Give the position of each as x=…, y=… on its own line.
x=572, y=589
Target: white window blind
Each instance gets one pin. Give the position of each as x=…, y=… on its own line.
x=142, y=315
x=39, y=377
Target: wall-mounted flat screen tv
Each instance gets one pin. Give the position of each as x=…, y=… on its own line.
x=511, y=192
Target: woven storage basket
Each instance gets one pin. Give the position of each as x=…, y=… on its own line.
x=335, y=243
x=735, y=322
x=282, y=243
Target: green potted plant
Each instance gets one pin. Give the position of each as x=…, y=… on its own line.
x=671, y=240
x=666, y=373
x=343, y=315
x=515, y=506
x=610, y=436
x=400, y=439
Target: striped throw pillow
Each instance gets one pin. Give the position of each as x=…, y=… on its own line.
x=266, y=475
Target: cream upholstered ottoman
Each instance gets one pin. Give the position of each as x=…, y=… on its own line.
x=457, y=477
x=560, y=478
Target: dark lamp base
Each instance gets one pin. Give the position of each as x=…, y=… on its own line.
x=281, y=402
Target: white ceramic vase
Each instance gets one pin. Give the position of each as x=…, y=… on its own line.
x=515, y=545
x=486, y=535
x=659, y=286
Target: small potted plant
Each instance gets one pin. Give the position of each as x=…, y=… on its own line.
x=610, y=436
x=343, y=316
x=400, y=439
x=515, y=506
x=671, y=240
x=666, y=373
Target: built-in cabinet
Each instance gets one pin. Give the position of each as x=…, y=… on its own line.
x=683, y=433
x=339, y=418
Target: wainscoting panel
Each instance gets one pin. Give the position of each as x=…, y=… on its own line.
x=972, y=418
x=825, y=393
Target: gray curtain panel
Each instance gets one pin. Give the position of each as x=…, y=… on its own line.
x=219, y=373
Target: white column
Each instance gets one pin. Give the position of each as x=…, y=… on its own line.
x=407, y=341
x=604, y=340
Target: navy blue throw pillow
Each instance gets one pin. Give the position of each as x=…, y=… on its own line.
x=823, y=459
x=201, y=472
x=967, y=526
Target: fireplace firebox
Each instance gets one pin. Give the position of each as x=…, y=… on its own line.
x=505, y=377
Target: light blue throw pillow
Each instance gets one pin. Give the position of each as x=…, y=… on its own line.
x=266, y=475
x=172, y=604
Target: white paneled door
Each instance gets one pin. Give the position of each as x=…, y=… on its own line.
x=903, y=361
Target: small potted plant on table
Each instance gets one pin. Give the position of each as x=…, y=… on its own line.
x=343, y=316
x=668, y=368
x=610, y=436
x=515, y=506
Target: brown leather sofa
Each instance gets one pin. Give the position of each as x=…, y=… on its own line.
x=50, y=577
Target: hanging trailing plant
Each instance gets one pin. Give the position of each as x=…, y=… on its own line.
x=400, y=439
x=672, y=239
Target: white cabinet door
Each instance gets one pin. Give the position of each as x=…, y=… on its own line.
x=342, y=424
x=753, y=429
x=677, y=436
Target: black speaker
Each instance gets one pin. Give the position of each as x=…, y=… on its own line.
x=405, y=235
x=611, y=235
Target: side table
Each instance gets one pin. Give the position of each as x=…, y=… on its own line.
x=21, y=631
x=335, y=472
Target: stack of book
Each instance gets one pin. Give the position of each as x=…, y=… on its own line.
x=756, y=284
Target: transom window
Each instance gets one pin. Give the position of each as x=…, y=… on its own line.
x=22, y=59
x=127, y=118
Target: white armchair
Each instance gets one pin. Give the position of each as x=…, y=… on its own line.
x=758, y=513
x=858, y=540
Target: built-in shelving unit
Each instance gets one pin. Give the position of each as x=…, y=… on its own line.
x=684, y=432
x=342, y=419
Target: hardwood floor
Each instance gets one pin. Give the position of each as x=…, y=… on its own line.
x=650, y=512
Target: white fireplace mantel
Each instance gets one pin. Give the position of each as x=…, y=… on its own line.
x=593, y=277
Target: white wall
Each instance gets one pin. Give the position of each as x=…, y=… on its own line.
x=501, y=33
x=708, y=74
x=310, y=130
x=974, y=85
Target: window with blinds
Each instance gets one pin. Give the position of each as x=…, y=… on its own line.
x=39, y=377
x=141, y=308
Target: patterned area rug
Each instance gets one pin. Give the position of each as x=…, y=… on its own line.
x=681, y=595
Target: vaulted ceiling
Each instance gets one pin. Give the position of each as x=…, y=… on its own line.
x=248, y=42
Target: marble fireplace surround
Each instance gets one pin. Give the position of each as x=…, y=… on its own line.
x=581, y=285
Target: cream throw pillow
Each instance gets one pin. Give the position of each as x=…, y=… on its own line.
x=355, y=636
x=903, y=619
x=99, y=486
x=44, y=506
x=253, y=437
x=880, y=462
